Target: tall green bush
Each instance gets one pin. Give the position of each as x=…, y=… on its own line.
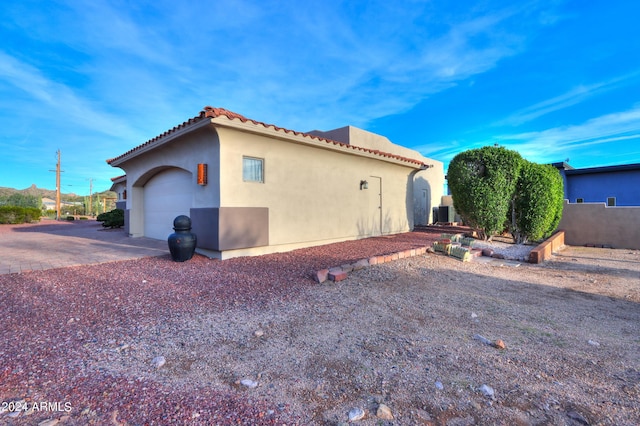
x=495, y=189
x=482, y=183
x=538, y=202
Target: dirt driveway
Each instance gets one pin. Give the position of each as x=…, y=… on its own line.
x=255, y=341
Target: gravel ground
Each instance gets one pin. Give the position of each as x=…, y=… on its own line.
x=256, y=341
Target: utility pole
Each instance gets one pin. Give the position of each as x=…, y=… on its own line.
x=90, y=194
x=58, y=171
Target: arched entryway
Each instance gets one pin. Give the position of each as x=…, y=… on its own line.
x=167, y=194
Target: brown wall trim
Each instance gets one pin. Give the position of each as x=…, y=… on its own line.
x=243, y=227
x=229, y=228
x=204, y=223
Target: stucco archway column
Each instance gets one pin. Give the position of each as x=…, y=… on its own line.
x=135, y=206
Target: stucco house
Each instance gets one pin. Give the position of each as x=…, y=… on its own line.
x=252, y=188
x=614, y=185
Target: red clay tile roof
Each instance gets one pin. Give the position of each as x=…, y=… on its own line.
x=211, y=112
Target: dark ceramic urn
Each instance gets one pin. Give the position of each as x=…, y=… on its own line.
x=182, y=243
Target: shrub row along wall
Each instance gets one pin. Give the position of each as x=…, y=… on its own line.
x=599, y=225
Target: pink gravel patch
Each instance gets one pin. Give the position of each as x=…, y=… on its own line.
x=54, y=319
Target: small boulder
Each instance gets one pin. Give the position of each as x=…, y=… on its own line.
x=487, y=252
x=499, y=344
x=360, y=264
x=249, y=383
x=158, y=362
x=321, y=276
x=356, y=414
x=487, y=391
x=384, y=412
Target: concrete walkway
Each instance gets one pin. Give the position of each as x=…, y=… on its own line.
x=50, y=244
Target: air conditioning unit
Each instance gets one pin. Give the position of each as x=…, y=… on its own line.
x=446, y=214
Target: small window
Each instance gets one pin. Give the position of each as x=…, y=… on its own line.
x=579, y=200
x=252, y=169
x=611, y=201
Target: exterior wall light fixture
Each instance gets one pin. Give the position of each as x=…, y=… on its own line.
x=364, y=185
x=202, y=174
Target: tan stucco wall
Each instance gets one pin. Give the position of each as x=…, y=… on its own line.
x=313, y=194
x=431, y=181
x=182, y=152
x=312, y=191
x=428, y=184
x=595, y=223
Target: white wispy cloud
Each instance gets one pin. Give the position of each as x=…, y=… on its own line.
x=572, y=97
x=56, y=101
x=557, y=143
x=116, y=74
x=323, y=68
x=603, y=134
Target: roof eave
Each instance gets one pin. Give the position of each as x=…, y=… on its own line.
x=158, y=141
x=316, y=141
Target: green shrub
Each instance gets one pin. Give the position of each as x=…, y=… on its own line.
x=16, y=214
x=83, y=218
x=482, y=183
x=495, y=189
x=21, y=200
x=112, y=219
x=538, y=202
x=70, y=218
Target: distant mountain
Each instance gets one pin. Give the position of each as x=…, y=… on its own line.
x=34, y=190
x=48, y=193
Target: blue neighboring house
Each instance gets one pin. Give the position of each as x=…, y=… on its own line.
x=612, y=185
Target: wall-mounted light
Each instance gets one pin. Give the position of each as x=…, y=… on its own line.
x=202, y=174
x=364, y=185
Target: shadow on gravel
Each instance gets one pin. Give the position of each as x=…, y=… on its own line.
x=388, y=333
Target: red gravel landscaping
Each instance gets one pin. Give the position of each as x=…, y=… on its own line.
x=54, y=321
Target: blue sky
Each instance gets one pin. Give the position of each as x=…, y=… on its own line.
x=551, y=79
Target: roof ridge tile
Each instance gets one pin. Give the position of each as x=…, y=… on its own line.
x=212, y=112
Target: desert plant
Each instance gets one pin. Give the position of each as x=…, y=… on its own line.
x=21, y=200
x=17, y=214
x=454, y=238
x=467, y=241
x=112, y=219
x=461, y=253
x=442, y=246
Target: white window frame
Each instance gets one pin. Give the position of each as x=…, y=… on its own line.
x=245, y=176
